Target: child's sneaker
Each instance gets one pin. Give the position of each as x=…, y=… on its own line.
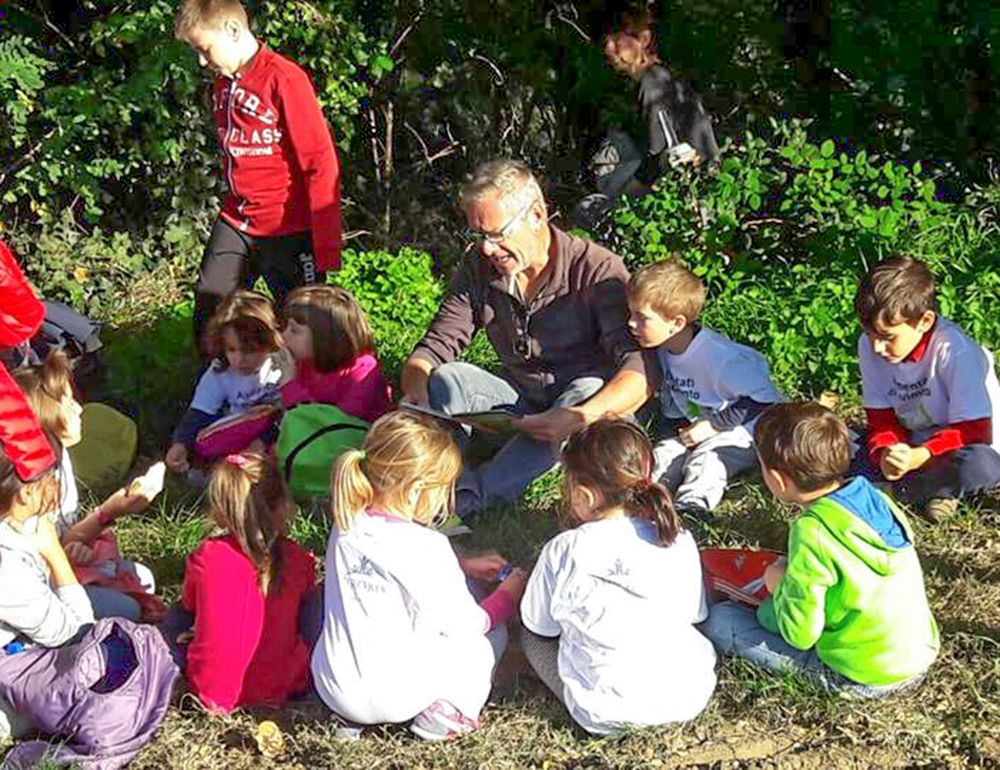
x=940, y=508
x=346, y=730
x=441, y=721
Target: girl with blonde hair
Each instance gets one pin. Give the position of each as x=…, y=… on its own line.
x=403, y=637
x=235, y=581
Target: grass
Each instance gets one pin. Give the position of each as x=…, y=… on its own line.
x=754, y=720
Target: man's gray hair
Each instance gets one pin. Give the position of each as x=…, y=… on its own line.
x=510, y=180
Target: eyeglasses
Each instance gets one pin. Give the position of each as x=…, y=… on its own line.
x=475, y=236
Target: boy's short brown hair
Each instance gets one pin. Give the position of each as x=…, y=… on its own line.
x=251, y=317
x=805, y=440
x=339, y=329
x=207, y=14
x=669, y=288
x=896, y=289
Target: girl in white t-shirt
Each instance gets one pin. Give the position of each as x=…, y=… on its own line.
x=403, y=638
x=618, y=594
x=242, y=379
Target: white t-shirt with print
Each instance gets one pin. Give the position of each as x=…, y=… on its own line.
x=712, y=375
x=401, y=629
x=228, y=392
x=954, y=381
x=624, y=610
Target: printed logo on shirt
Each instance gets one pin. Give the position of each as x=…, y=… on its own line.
x=908, y=391
x=308, y=266
x=362, y=575
x=246, y=102
x=618, y=569
x=683, y=394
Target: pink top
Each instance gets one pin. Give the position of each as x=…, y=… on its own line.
x=246, y=648
x=358, y=388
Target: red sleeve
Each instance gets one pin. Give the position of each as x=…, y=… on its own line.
x=312, y=146
x=21, y=313
x=959, y=435
x=499, y=606
x=192, y=575
x=884, y=429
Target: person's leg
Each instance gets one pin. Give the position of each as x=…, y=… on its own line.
x=521, y=460
x=734, y=630
x=669, y=457
x=709, y=468
x=13, y=724
x=177, y=621
x=285, y=262
x=311, y=615
x=224, y=268
x=964, y=472
x=140, y=572
x=542, y=653
x=109, y=603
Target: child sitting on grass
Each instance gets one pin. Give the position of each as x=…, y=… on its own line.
x=332, y=354
x=244, y=374
x=930, y=393
x=626, y=579
x=849, y=610
x=403, y=637
x=235, y=633
x=117, y=587
x=711, y=392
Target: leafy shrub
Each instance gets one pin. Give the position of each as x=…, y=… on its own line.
x=782, y=233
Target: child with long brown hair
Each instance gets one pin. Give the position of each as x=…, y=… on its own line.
x=403, y=637
x=117, y=587
x=243, y=592
x=618, y=593
x=244, y=375
x=332, y=354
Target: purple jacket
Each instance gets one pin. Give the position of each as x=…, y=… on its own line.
x=102, y=697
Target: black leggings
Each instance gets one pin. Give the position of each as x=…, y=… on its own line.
x=233, y=259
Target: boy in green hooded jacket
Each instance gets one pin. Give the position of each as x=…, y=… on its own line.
x=849, y=608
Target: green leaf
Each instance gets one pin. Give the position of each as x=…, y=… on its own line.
x=827, y=148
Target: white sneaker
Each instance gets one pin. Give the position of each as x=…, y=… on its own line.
x=441, y=721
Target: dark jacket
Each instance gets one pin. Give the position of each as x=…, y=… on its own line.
x=574, y=326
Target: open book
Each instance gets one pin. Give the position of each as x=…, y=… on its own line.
x=492, y=421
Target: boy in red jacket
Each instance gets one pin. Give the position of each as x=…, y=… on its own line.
x=281, y=216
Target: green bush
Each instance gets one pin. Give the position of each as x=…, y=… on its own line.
x=782, y=232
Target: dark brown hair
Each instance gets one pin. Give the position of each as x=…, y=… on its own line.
x=896, y=289
x=339, y=329
x=248, y=498
x=804, y=440
x=44, y=386
x=251, y=317
x=615, y=459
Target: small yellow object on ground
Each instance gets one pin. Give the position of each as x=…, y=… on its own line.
x=270, y=741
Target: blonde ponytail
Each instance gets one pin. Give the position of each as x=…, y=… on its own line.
x=350, y=490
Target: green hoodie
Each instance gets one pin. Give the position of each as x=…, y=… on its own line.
x=858, y=600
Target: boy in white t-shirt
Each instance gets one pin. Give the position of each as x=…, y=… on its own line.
x=712, y=388
x=930, y=393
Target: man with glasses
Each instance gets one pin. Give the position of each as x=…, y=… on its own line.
x=553, y=307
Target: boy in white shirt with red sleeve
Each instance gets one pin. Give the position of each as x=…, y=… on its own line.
x=280, y=218
x=930, y=393
x=711, y=392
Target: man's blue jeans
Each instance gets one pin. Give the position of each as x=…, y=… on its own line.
x=460, y=387
x=734, y=630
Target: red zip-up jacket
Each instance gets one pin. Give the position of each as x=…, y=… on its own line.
x=278, y=156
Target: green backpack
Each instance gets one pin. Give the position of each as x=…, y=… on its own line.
x=311, y=437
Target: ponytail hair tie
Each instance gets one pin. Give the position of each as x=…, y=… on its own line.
x=642, y=485
x=362, y=454
x=238, y=460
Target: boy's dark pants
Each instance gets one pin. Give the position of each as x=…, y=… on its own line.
x=960, y=473
x=233, y=260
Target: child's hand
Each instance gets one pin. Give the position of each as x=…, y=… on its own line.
x=485, y=568
x=773, y=575
x=121, y=503
x=177, y=458
x=515, y=583
x=899, y=459
x=47, y=540
x=78, y=553
x=696, y=433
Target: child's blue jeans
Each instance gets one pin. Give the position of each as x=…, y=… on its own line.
x=734, y=629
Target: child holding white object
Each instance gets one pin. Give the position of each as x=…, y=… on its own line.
x=242, y=337
x=714, y=387
x=116, y=587
x=332, y=354
x=403, y=638
x=612, y=598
